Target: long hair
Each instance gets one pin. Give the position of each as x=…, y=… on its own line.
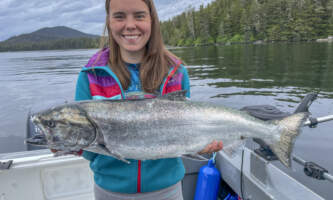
x=156, y=62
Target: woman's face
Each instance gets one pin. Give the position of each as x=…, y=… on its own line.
x=130, y=25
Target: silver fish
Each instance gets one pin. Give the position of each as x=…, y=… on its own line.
x=164, y=127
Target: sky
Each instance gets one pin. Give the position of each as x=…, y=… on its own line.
x=21, y=16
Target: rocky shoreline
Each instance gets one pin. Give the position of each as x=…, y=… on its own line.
x=328, y=39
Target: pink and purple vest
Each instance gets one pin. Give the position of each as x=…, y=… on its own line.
x=109, y=87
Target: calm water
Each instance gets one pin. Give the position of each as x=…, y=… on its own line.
x=236, y=76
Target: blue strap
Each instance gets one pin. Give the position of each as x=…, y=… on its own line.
x=214, y=157
x=227, y=197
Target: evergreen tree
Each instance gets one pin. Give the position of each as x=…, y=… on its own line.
x=248, y=20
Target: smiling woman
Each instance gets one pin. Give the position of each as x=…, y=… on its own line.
x=135, y=37
x=134, y=63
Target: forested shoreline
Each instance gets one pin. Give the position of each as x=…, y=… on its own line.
x=73, y=43
x=239, y=21
x=224, y=22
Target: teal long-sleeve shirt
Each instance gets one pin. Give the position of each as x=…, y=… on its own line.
x=117, y=176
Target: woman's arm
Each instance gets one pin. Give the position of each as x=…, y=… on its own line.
x=82, y=91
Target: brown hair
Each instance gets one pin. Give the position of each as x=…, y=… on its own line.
x=156, y=61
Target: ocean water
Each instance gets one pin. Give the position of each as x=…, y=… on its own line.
x=236, y=76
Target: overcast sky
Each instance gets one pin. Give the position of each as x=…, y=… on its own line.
x=25, y=16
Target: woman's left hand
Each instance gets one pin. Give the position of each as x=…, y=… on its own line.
x=215, y=146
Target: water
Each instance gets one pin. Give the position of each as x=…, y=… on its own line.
x=30, y=81
x=235, y=76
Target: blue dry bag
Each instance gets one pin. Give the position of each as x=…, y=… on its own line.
x=208, y=182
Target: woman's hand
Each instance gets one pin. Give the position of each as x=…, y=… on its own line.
x=212, y=147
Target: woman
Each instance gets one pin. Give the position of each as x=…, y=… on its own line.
x=136, y=65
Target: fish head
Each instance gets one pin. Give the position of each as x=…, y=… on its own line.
x=64, y=128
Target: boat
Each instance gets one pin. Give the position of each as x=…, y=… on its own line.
x=249, y=174
x=38, y=175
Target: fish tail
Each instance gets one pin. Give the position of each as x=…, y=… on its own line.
x=291, y=128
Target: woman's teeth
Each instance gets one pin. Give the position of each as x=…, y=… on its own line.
x=131, y=37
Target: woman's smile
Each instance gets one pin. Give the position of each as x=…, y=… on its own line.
x=132, y=38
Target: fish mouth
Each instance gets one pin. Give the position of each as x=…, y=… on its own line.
x=39, y=140
x=34, y=135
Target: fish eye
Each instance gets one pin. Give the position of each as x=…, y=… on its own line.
x=50, y=124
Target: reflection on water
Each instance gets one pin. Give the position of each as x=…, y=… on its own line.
x=236, y=76
x=305, y=67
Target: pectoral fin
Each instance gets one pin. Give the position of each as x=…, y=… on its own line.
x=102, y=149
x=112, y=153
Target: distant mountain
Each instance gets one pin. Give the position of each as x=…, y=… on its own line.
x=48, y=34
x=59, y=37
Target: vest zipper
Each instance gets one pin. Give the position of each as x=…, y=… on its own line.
x=139, y=177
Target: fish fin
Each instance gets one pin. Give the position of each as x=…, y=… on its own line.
x=59, y=153
x=63, y=153
x=175, y=96
x=291, y=128
x=120, y=157
x=195, y=157
x=113, y=153
x=233, y=148
x=101, y=146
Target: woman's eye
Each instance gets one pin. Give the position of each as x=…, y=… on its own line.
x=140, y=16
x=50, y=124
x=118, y=16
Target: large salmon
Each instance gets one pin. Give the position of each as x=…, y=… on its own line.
x=164, y=127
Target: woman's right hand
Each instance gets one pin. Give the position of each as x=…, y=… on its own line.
x=215, y=146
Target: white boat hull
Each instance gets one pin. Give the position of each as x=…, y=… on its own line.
x=38, y=175
x=45, y=177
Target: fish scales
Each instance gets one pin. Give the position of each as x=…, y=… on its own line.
x=163, y=128
x=171, y=125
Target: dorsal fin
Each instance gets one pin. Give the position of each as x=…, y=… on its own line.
x=175, y=96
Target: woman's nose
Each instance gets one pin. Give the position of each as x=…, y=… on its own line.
x=130, y=23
